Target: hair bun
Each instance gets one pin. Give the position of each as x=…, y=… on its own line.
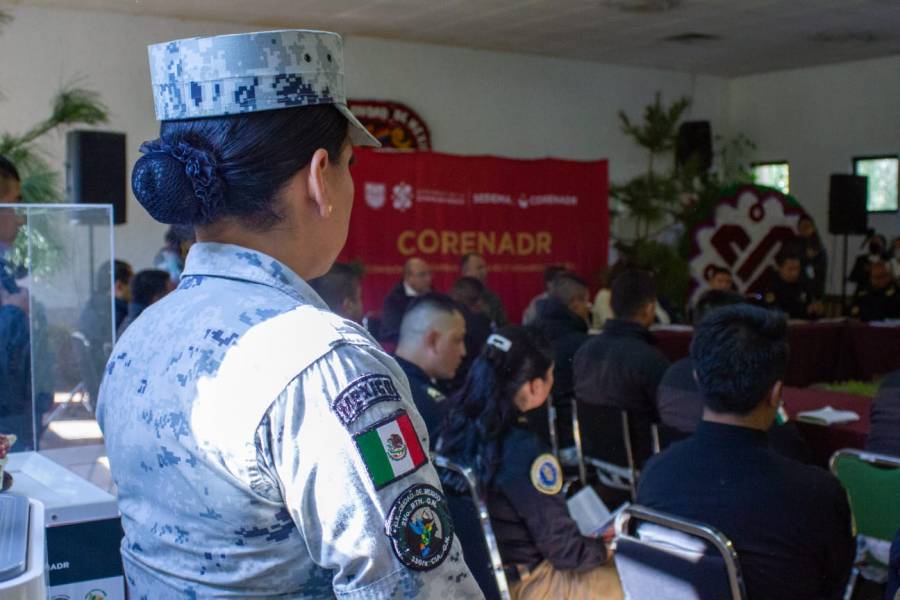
x=177, y=184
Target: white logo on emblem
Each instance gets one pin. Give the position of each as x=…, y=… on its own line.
x=375, y=195
x=402, y=196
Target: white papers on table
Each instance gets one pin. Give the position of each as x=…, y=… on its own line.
x=827, y=416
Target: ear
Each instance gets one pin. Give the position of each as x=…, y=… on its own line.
x=346, y=305
x=774, y=399
x=431, y=338
x=316, y=182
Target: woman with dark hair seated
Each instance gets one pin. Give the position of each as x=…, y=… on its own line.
x=543, y=551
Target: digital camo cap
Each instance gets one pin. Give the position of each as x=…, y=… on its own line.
x=250, y=72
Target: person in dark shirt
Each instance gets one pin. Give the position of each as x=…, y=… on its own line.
x=341, y=289
x=813, y=259
x=531, y=311
x=416, y=281
x=789, y=522
x=468, y=293
x=788, y=293
x=545, y=554
x=474, y=265
x=880, y=299
x=884, y=434
x=431, y=347
x=621, y=368
x=147, y=287
x=563, y=318
x=876, y=251
x=680, y=402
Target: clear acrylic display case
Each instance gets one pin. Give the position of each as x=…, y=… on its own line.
x=56, y=321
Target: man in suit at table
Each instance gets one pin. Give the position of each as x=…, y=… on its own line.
x=789, y=522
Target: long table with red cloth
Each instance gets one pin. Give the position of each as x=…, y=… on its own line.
x=820, y=352
x=824, y=440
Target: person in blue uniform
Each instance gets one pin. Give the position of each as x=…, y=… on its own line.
x=261, y=445
x=544, y=553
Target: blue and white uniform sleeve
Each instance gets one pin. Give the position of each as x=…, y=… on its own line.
x=348, y=449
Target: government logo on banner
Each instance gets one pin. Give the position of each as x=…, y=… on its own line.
x=395, y=125
x=745, y=231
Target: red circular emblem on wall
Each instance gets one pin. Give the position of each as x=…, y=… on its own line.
x=395, y=125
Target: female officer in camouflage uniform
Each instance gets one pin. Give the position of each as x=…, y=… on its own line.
x=262, y=446
x=544, y=553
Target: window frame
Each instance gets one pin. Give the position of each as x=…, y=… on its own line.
x=896, y=157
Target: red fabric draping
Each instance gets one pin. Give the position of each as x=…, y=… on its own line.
x=520, y=214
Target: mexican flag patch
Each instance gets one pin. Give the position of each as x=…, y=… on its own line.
x=390, y=449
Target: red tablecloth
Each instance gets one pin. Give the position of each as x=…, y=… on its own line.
x=820, y=352
x=825, y=440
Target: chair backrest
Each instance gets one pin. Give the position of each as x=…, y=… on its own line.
x=603, y=436
x=472, y=523
x=872, y=482
x=663, y=556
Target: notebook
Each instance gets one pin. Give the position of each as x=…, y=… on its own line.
x=827, y=416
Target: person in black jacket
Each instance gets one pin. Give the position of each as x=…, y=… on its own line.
x=621, y=368
x=431, y=348
x=563, y=318
x=884, y=434
x=880, y=299
x=788, y=292
x=416, y=281
x=544, y=553
x=789, y=522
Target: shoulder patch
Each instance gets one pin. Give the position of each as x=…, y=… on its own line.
x=435, y=394
x=390, y=449
x=362, y=393
x=420, y=528
x=546, y=474
x=770, y=297
x=891, y=291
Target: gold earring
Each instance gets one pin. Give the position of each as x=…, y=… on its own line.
x=328, y=210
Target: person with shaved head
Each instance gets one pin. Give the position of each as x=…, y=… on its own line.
x=430, y=350
x=416, y=281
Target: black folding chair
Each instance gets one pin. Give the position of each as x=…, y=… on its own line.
x=663, y=556
x=472, y=523
x=607, y=447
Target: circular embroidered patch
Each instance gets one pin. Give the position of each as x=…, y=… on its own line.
x=420, y=528
x=546, y=474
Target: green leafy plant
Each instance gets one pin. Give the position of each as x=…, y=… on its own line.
x=664, y=203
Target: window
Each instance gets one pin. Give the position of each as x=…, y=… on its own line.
x=773, y=174
x=883, y=185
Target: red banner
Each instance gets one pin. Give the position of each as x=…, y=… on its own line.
x=522, y=215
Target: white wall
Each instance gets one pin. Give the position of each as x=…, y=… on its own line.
x=474, y=102
x=818, y=119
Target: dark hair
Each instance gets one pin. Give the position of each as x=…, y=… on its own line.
x=467, y=291
x=201, y=170
x=550, y=273
x=122, y=274
x=632, y=290
x=339, y=283
x=8, y=169
x=178, y=234
x=786, y=253
x=739, y=352
x=713, y=299
x=148, y=284
x=566, y=286
x=465, y=258
x=483, y=409
x=717, y=270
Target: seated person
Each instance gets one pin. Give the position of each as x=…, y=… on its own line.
x=789, y=522
x=721, y=279
x=545, y=554
x=416, y=281
x=531, y=311
x=680, y=402
x=880, y=299
x=788, y=292
x=147, y=287
x=621, y=368
x=563, y=319
x=431, y=346
x=341, y=289
x=473, y=265
x=468, y=293
x=884, y=434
